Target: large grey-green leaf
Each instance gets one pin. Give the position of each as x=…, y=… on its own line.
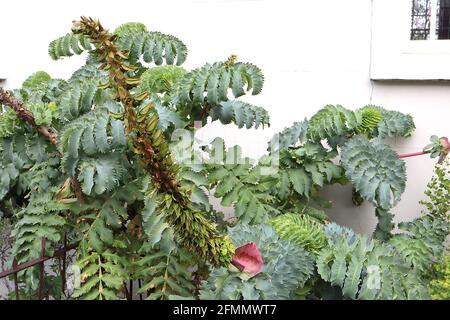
x=375, y=170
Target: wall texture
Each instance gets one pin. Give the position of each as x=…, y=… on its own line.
x=312, y=53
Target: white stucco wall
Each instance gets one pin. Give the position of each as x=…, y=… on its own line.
x=312, y=53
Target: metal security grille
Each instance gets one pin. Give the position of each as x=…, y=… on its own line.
x=420, y=22
x=429, y=15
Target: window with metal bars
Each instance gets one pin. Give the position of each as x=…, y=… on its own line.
x=428, y=15
x=420, y=21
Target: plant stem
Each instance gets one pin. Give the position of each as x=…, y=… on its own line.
x=48, y=133
x=26, y=115
x=407, y=155
x=193, y=230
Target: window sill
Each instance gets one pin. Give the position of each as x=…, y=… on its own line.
x=431, y=47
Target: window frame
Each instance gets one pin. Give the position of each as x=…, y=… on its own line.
x=394, y=56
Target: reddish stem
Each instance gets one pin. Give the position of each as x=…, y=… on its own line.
x=407, y=155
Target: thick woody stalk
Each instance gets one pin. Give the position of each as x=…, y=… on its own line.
x=193, y=230
x=156, y=156
x=25, y=114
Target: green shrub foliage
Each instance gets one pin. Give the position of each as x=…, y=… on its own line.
x=92, y=161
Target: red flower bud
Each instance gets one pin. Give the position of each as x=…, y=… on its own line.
x=445, y=145
x=247, y=258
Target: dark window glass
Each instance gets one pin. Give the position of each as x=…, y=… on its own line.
x=443, y=19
